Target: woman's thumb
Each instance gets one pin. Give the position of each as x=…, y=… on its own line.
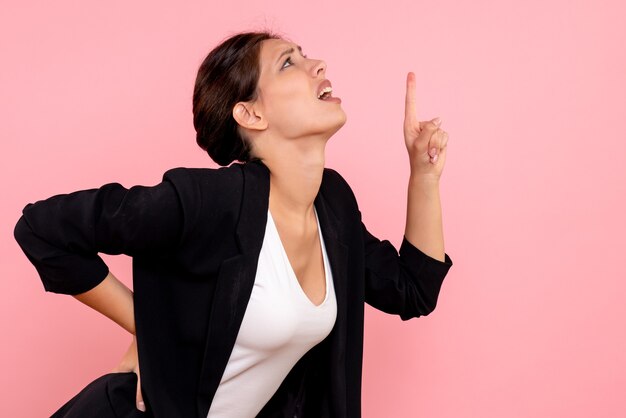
x=140, y=405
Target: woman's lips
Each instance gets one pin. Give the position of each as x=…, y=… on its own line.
x=332, y=99
x=328, y=97
x=325, y=83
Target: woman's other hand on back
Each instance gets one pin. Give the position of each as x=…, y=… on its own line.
x=130, y=363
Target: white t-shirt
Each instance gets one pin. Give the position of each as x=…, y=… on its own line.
x=279, y=326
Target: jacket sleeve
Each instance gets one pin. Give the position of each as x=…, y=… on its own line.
x=406, y=284
x=63, y=234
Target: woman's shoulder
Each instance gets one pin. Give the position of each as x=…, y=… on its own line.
x=336, y=180
x=337, y=188
x=192, y=177
x=203, y=190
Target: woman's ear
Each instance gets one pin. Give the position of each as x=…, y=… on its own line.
x=248, y=116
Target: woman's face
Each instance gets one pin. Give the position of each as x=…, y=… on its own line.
x=288, y=88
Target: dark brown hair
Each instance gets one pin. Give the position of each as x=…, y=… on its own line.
x=229, y=74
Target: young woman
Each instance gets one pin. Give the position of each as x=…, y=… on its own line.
x=250, y=279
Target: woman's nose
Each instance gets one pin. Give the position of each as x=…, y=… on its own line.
x=321, y=66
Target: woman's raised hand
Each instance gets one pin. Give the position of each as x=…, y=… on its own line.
x=130, y=363
x=425, y=141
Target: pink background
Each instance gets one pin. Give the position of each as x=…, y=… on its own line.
x=531, y=319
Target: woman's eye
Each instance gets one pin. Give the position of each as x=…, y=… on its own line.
x=288, y=60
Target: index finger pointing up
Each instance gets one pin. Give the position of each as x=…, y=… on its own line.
x=410, y=110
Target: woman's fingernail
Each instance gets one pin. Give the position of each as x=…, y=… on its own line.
x=141, y=406
x=433, y=152
x=435, y=158
x=437, y=121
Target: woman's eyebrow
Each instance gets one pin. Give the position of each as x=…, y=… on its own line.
x=288, y=51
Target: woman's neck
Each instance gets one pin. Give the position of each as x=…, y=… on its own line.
x=294, y=184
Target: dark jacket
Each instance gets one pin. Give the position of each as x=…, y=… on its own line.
x=195, y=239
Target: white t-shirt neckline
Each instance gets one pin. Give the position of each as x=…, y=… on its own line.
x=292, y=273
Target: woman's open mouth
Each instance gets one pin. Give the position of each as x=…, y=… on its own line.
x=326, y=93
x=327, y=96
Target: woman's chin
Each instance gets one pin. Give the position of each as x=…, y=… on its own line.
x=343, y=119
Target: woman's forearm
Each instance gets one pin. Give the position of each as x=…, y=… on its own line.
x=114, y=300
x=424, y=227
